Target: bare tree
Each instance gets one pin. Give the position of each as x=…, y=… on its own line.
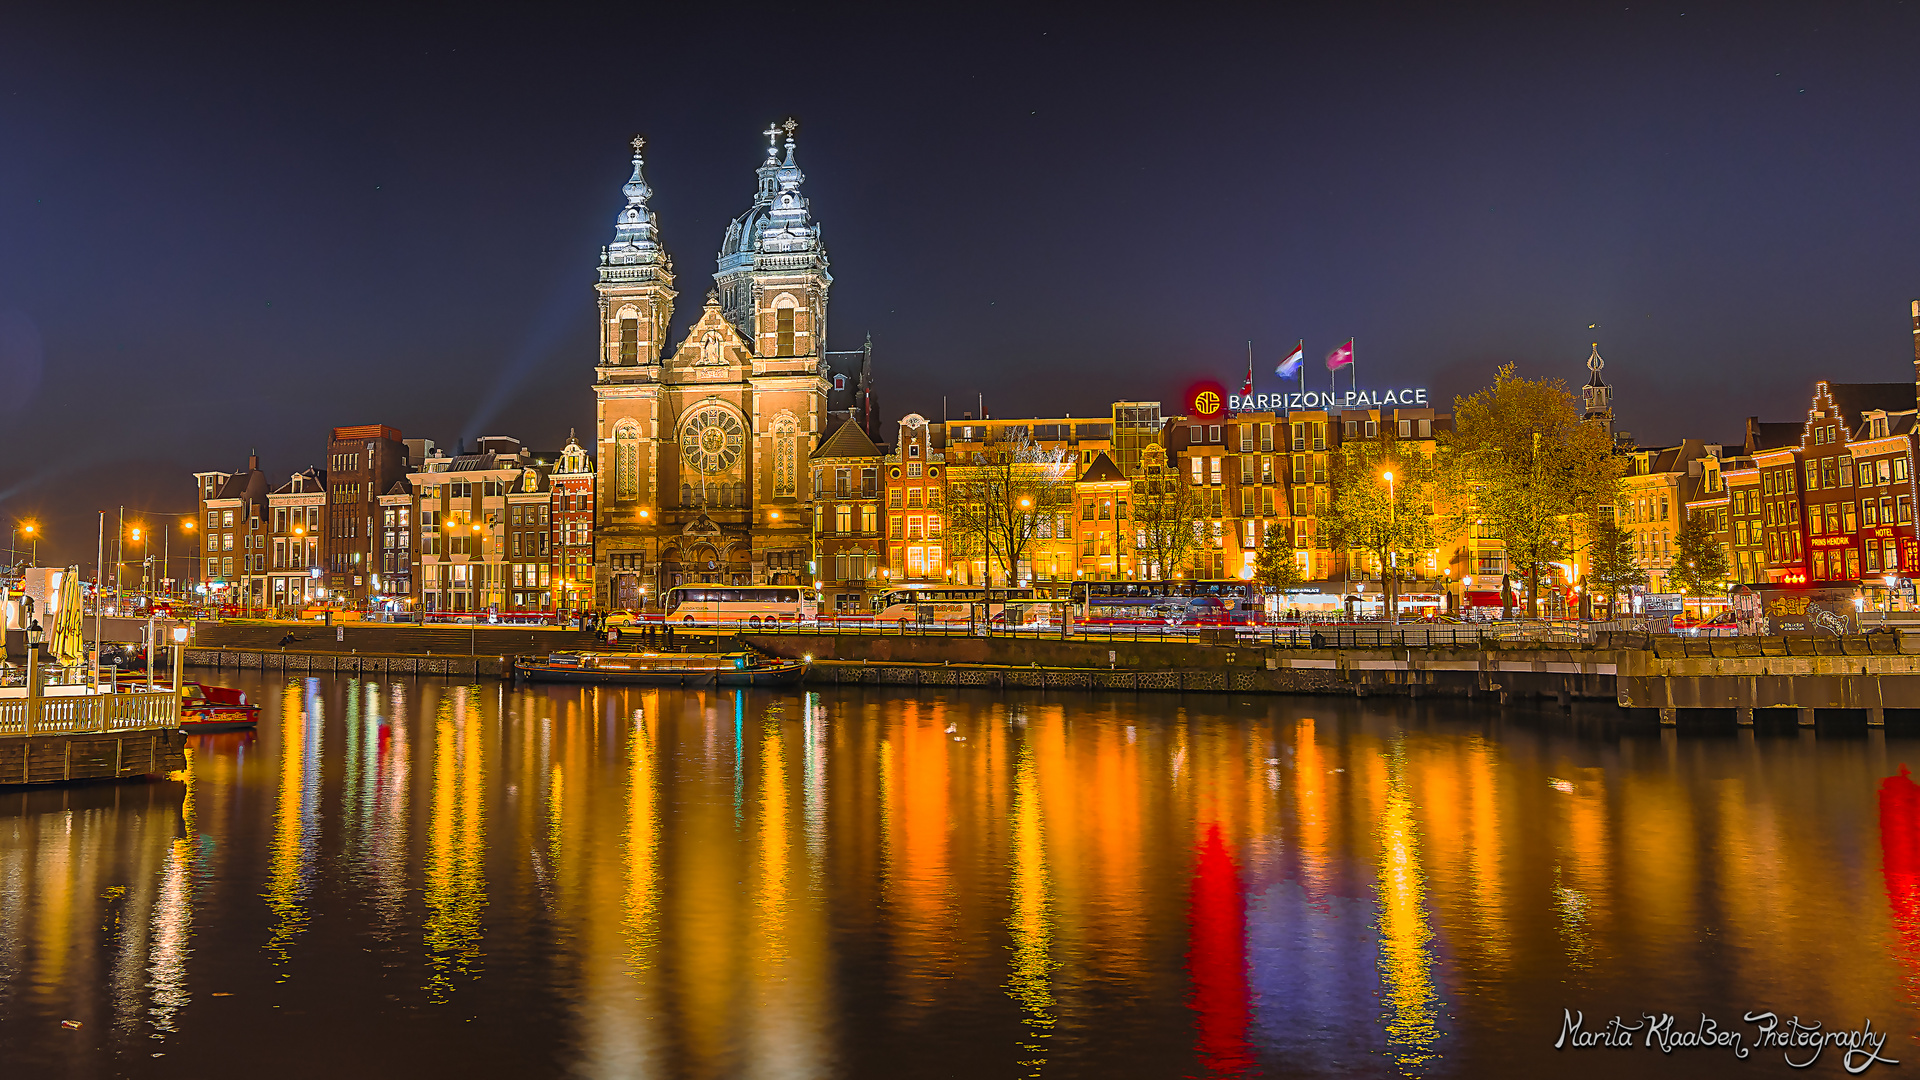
x=997, y=506
x=1167, y=513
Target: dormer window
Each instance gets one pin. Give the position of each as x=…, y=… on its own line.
x=839, y=382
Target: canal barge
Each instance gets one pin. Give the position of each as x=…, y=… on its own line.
x=662, y=669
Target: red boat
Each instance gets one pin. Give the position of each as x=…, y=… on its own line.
x=215, y=708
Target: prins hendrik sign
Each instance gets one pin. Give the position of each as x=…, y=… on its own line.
x=1301, y=400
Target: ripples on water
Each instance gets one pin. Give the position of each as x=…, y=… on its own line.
x=424, y=878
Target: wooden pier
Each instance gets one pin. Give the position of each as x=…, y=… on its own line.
x=63, y=738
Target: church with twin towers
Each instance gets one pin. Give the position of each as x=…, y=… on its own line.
x=703, y=444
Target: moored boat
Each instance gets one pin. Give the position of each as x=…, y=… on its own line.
x=663, y=669
x=215, y=708
x=206, y=708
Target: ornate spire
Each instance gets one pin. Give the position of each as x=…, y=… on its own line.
x=1594, y=364
x=787, y=228
x=634, y=238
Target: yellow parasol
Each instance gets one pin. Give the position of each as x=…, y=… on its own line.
x=64, y=641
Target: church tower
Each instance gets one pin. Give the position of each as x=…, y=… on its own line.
x=1597, y=395
x=772, y=277
x=703, y=445
x=635, y=288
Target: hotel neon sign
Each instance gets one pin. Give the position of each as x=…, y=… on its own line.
x=1307, y=400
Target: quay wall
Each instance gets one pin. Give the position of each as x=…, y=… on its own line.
x=1564, y=674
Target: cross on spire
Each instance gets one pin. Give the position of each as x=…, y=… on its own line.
x=638, y=142
x=790, y=126
x=772, y=133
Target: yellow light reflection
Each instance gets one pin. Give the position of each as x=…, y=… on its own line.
x=774, y=886
x=642, y=847
x=455, y=875
x=287, y=869
x=1030, y=983
x=173, y=919
x=1406, y=962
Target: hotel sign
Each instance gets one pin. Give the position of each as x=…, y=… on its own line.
x=1304, y=400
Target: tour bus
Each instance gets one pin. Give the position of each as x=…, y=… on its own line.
x=1198, y=600
x=752, y=605
x=938, y=605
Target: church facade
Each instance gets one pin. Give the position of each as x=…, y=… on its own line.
x=702, y=447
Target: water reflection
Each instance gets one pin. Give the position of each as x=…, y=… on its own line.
x=295, y=815
x=846, y=883
x=455, y=874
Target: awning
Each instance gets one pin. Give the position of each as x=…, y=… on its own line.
x=1483, y=599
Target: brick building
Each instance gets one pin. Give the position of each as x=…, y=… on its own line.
x=363, y=463
x=846, y=520
x=295, y=511
x=571, y=564
x=232, y=508
x=916, y=487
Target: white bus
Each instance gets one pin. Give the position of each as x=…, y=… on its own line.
x=947, y=604
x=752, y=605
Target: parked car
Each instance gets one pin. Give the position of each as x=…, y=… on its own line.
x=623, y=618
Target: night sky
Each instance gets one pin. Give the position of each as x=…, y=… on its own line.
x=236, y=229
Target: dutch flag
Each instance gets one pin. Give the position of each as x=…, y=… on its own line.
x=1290, y=366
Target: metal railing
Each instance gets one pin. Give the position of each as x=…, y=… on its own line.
x=141, y=710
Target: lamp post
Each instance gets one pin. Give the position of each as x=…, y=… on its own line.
x=116, y=576
x=179, y=656
x=1393, y=556
x=33, y=675
x=33, y=534
x=187, y=526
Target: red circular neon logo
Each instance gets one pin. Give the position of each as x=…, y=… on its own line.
x=1206, y=400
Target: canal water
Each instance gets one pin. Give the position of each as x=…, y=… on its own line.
x=422, y=877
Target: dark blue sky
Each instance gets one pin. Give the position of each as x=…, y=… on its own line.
x=233, y=229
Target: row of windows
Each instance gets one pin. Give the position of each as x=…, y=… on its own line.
x=1840, y=472
x=917, y=527
x=286, y=519
x=915, y=498
x=843, y=517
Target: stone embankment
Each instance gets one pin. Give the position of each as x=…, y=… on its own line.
x=1873, y=677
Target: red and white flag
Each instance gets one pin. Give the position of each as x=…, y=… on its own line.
x=1341, y=356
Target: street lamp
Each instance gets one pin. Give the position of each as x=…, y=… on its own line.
x=13, y=549
x=1393, y=557
x=179, y=656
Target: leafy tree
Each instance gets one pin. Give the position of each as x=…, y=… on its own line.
x=1700, y=563
x=1389, y=519
x=998, y=506
x=1274, y=565
x=1167, y=513
x=1611, y=565
x=1522, y=461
